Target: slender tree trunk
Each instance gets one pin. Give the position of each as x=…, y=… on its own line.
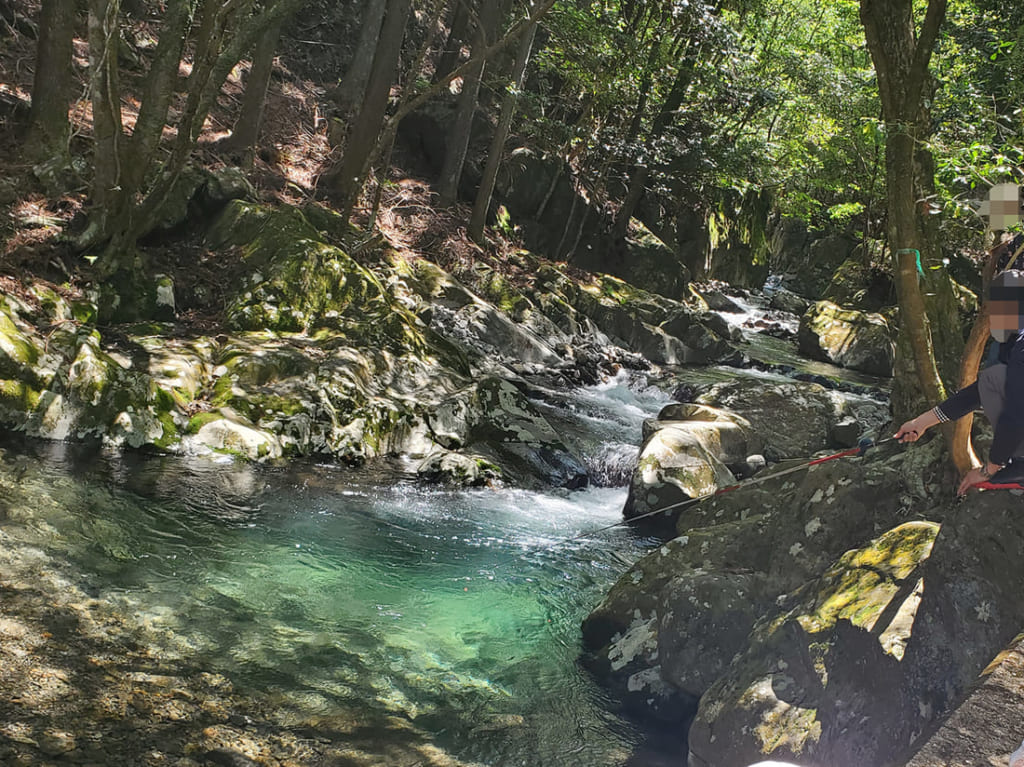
x=673, y=101
x=901, y=53
x=359, y=167
x=106, y=198
x=494, y=155
x=49, y=127
x=159, y=90
x=246, y=131
x=458, y=137
x=366, y=130
x=349, y=94
x=453, y=45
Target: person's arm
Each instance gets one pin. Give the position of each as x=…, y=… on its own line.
x=965, y=401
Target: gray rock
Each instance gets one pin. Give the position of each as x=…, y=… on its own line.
x=792, y=419
x=848, y=338
x=787, y=301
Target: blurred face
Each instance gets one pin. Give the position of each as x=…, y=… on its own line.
x=1006, y=305
x=1006, y=315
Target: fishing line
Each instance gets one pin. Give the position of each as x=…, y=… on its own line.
x=862, y=447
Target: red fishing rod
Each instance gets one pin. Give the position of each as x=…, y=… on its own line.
x=862, y=447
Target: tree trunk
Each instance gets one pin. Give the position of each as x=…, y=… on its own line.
x=901, y=54
x=494, y=154
x=674, y=100
x=160, y=86
x=106, y=198
x=49, y=127
x=349, y=94
x=246, y=130
x=453, y=45
x=458, y=137
x=362, y=139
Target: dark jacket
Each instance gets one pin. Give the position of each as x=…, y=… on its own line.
x=1010, y=429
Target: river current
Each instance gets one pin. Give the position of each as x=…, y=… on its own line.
x=336, y=590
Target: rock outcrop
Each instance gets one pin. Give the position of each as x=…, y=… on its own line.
x=848, y=338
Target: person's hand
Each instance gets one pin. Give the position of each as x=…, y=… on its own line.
x=971, y=478
x=911, y=431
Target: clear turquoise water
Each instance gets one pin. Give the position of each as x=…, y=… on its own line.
x=340, y=591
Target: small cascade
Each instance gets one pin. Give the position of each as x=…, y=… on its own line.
x=611, y=464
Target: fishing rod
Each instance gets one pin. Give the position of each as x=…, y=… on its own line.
x=862, y=447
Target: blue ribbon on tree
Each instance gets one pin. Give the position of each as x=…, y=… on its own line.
x=916, y=252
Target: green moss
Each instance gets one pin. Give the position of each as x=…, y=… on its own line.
x=19, y=395
x=222, y=391
x=199, y=420
x=14, y=344
x=863, y=583
x=84, y=312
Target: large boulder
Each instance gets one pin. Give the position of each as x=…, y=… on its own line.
x=848, y=338
x=682, y=459
x=672, y=624
x=815, y=679
x=862, y=664
x=861, y=286
x=792, y=419
x=805, y=263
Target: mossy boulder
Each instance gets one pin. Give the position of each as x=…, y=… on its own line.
x=682, y=459
x=299, y=283
x=811, y=685
x=848, y=338
x=861, y=286
x=792, y=419
x=733, y=558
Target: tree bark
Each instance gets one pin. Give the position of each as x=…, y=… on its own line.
x=246, y=130
x=349, y=94
x=453, y=45
x=106, y=197
x=49, y=127
x=901, y=54
x=387, y=134
x=497, y=148
x=667, y=113
x=458, y=137
x=366, y=130
x=159, y=90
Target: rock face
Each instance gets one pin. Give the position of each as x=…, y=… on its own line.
x=685, y=454
x=774, y=409
x=832, y=616
x=700, y=594
x=327, y=355
x=811, y=683
x=877, y=650
x=848, y=338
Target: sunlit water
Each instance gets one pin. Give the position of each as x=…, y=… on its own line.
x=339, y=590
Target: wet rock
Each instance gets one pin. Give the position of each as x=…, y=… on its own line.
x=457, y=469
x=788, y=301
x=230, y=433
x=848, y=338
x=719, y=302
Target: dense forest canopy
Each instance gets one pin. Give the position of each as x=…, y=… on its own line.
x=662, y=112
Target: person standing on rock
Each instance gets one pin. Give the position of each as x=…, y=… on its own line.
x=999, y=390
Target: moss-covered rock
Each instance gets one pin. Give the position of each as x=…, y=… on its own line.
x=812, y=671
x=848, y=338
